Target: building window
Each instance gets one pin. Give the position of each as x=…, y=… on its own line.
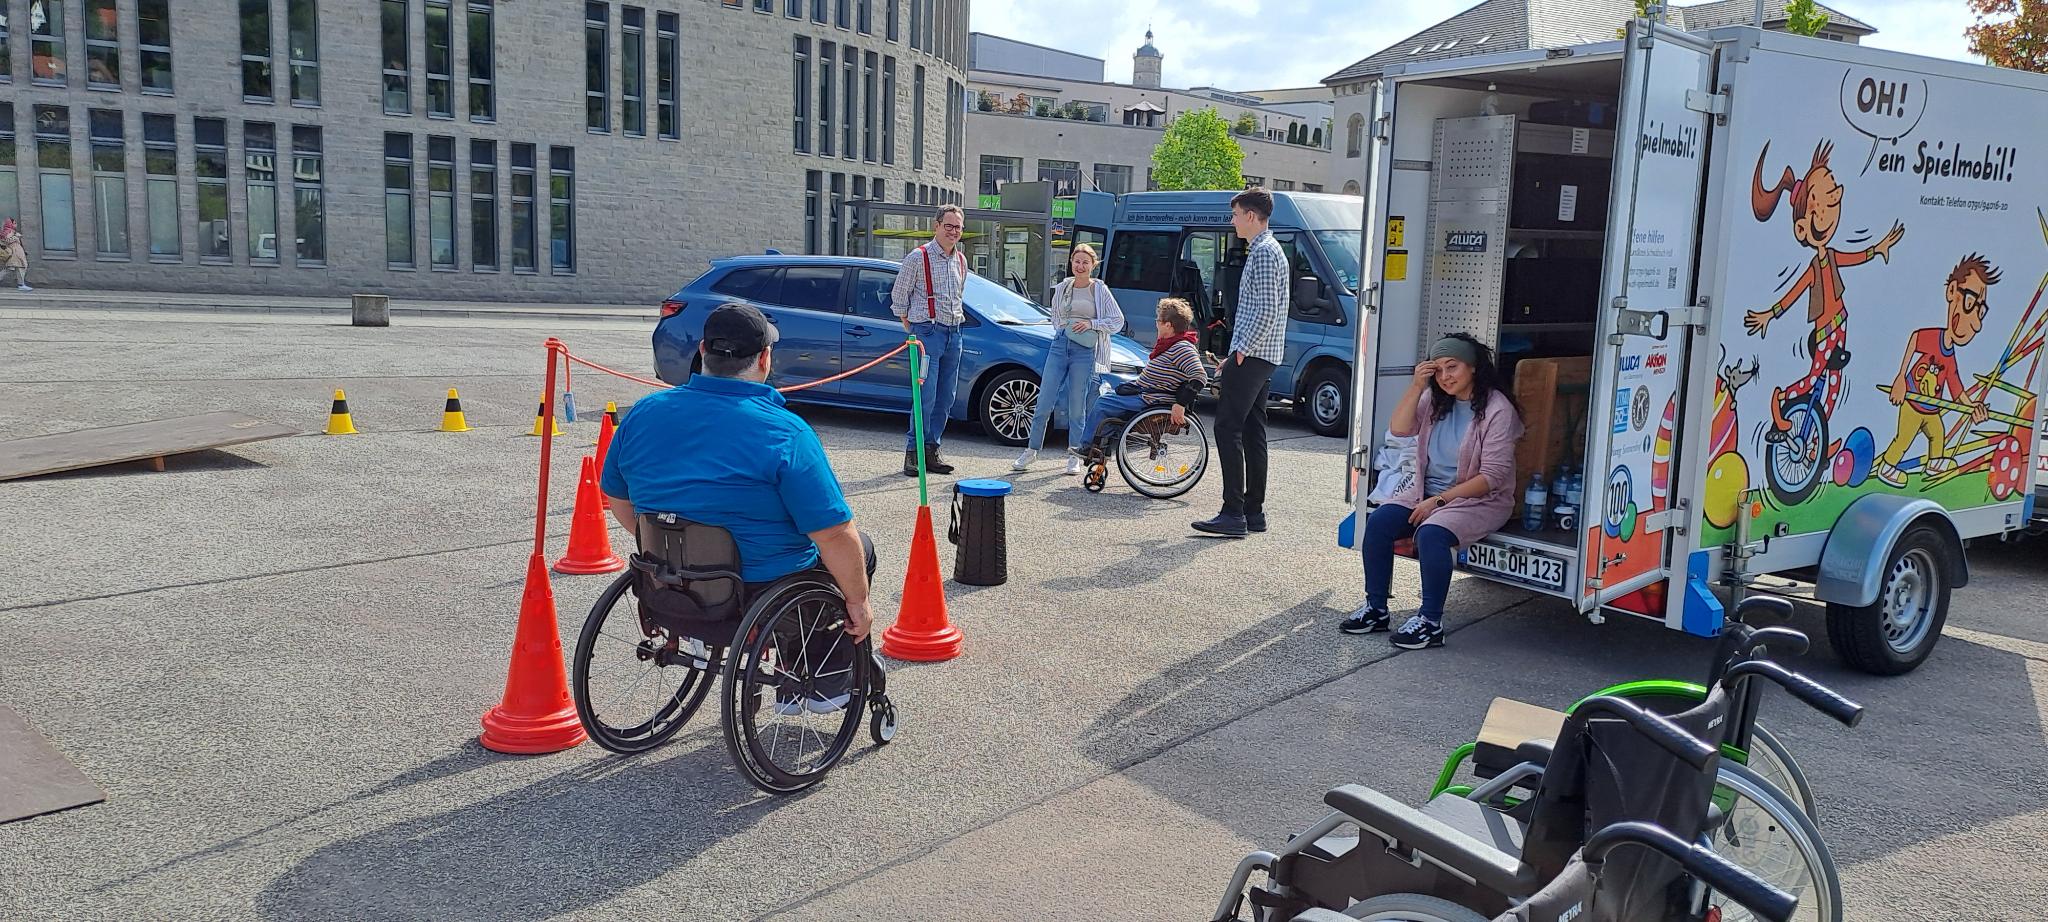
x=836, y=243
x=917, y=110
x=867, y=81
x=483, y=205
x=210, y=166
x=309, y=198
x=1065, y=176
x=998, y=171
x=523, y=221
x=842, y=13
x=1351, y=187
x=633, y=70
x=860, y=188
x=102, y=45
x=562, y=209
x=1112, y=178
x=6, y=56
x=46, y=42
x=483, y=90
x=1311, y=187
x=1354, y=135
x=818, y=11
x=440, y=29
x=256, y=51
x=812, y=180
x=667, y=57
x=1250, y=180
x=398, y=200
x=880, y=189
x=931, y=22
x=793, y=9
x=109, y=183
x=160, y=165
x=916, y=24
x=397, y=59
x=53, y=164
x=597, y=88
x=441, y=202
x=259, y=169
x=800, y=95
x=10, y=179
x=849, y=96
x=889, y=111
x=1283, y=185
x=867, y=17
x=909, y=193
x=153, y=29
x=895, y=34
x=825, y=58
x=302, y=44
x=956, y=94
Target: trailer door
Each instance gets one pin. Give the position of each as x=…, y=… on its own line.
x=1646, y=326
x=1372, y=292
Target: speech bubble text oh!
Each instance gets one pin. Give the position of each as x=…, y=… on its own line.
x=1882, y=108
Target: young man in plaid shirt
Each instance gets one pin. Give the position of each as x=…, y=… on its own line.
x=1258, y=343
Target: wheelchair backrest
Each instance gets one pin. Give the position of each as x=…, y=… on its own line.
x=687, y=570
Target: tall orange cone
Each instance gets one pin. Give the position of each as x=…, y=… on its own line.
x=922, y=631
x=605, y=428
x=590, y=540
x=536, y=714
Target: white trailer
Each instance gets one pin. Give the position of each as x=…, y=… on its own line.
x=1762, y=199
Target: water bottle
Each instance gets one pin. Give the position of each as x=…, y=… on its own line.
x=1535, y=501
x=1575, y=488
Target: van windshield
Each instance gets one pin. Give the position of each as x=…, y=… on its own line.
x=1341, y=248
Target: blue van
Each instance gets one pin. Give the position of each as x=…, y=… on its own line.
x=1180, y=244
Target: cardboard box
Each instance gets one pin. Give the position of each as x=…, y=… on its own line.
x=1552, y=395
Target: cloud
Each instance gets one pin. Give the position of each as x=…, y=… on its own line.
x=1231, y=44
x=1928, y=27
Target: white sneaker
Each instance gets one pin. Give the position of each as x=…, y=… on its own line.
x=1073, y=466
x=23, y=288
x=1024, y=460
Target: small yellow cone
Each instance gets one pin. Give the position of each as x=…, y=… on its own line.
x=338, y=420
x=611, y=419
x=540, y=418
x=451, y=414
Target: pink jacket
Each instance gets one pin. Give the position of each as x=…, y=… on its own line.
x=1489, y=450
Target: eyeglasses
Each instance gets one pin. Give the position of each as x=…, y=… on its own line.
x=1977, y=302
x=953, y=226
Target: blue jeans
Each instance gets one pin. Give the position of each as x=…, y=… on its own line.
x=941, y=380
x=1110, y=404
x=1069, y=372
x=1435, y=549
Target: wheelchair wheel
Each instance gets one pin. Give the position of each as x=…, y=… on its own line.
x=649, y=680
x=1159, y=460
x=1764, y=832
x=1411, y=907
x=786, y=722
x=1774, y=763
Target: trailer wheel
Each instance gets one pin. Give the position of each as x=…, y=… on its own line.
x=1895, y=633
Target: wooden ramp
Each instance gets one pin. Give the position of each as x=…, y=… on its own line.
x=152, y=440
x=34, y=778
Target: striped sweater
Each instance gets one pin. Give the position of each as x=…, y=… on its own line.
x=1164, y=375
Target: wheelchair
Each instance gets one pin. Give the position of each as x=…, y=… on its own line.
x=642, y=669
x=1612, y=761
x=1156, y=457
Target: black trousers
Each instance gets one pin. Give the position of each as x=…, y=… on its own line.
x=1241, y=434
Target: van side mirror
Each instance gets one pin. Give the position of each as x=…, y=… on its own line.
x=1309, y=295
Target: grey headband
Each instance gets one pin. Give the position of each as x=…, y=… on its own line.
x=1453, y=348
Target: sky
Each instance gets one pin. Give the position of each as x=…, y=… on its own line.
x=1271, y=44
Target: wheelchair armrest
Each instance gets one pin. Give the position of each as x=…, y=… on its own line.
x=1537, y=751
x=1412, y=829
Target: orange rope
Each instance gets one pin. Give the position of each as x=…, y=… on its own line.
x=554, y=344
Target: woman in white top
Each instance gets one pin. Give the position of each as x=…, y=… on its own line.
x=1084, y=315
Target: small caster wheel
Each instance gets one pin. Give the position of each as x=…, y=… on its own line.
x=1097, y=478
x=882, y=723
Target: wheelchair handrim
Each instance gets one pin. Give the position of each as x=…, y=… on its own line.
x=752, y=679
x=1174, y=468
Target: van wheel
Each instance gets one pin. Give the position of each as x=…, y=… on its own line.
x=1894, y=634
x=1326, y=402
x=1004, y=407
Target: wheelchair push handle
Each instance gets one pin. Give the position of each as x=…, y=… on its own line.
x=1819, y=696
x=1663, y=732
x=1768, y=606
x=1726, y=877
x=1780, y=640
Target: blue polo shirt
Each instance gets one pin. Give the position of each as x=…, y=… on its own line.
x=726, y=452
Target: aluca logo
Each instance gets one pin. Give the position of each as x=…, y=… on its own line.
x=1631, y=362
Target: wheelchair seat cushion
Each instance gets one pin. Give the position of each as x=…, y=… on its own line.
x=686, y=576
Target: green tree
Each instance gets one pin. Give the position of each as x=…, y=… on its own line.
x=1197, y=152
x=1247, y=125
x=1804, y=17
x=2011, y=33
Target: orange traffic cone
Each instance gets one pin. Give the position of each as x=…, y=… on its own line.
x=921, y=631
x=536, y=714
x=590, y=541
x=605, y=428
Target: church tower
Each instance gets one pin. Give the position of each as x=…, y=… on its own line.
x=1145, y=64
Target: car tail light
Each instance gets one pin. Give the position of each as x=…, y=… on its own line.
x=672, y=308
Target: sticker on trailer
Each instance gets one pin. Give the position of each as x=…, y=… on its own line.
x=1622, y=397
x=1465, y=242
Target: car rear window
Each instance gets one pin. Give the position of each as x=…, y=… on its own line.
x=811, y=288
x=762, y=286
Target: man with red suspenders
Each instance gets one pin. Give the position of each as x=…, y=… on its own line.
x=927, y=299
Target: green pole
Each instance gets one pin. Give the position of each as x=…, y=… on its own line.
x=917, y=415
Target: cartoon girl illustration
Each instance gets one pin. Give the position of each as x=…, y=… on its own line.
x=1816, y=216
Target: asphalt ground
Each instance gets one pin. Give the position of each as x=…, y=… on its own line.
x=274, y=658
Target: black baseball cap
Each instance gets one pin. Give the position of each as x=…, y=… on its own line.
x=738, y=330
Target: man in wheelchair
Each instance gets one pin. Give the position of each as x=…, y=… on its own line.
x=721, y=449
x=1174, y=375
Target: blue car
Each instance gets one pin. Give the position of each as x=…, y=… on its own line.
x=832, y=313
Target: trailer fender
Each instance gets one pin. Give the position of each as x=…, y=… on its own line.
x=1852, y=562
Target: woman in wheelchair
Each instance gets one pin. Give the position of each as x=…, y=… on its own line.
x=1174, y=375
x=1466, y=427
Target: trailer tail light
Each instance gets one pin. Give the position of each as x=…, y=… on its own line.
x=672, y=308
x=1647, y=601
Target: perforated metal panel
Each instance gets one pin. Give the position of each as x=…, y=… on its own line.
x=1470, y=184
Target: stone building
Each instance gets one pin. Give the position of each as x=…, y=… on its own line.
x=559, y=151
